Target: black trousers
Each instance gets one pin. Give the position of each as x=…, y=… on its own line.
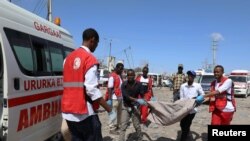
x=87, y=130
x=185, y=126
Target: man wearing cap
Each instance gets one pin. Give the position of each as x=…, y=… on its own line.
x=178, y=79
x=189, y=90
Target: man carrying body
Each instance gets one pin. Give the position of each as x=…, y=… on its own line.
x=131, y=90
x=147, y=85
x=222, y=102
x=189, y=90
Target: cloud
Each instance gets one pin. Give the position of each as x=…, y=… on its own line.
x=217, y=36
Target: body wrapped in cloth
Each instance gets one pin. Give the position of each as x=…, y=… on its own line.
x=164, y=113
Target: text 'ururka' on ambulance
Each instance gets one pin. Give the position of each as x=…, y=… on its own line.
x=32, y=51
x=241, y=79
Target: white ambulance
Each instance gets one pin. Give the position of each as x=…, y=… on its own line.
x=241, y=79
x=205, y=80
x=32, y=51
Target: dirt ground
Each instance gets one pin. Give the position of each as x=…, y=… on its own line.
x=172, y=132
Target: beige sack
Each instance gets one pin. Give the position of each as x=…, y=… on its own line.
x=165, y=113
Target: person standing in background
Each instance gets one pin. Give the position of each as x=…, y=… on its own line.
x=81, y=96
x=178, y=79
x=114, y=96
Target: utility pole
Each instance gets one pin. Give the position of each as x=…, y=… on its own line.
x=109, y=58
x=132, y=56
x=127, y=58
x=49, y=16
x=214, y=48
x=125, y=51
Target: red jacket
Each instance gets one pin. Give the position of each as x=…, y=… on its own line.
x=74, y=94
x=221, y=99
x=117, y=88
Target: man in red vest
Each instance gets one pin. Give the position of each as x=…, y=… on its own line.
x=81, y=96
x=222, y=102
x=114, y=96
x=147, y=87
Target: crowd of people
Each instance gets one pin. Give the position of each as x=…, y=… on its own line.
x=128, y=99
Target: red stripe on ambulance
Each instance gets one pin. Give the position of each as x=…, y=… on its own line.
x=32, y=98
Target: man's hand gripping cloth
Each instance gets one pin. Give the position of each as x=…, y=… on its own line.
x=165, y=113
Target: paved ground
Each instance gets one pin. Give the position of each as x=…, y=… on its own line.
x=172, y=132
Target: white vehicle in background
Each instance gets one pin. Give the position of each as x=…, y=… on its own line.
x=103, y=77
x=156, y=78
x=199, y=73
x=167, y=83
x=32, y=51
x=241, y=79
x=205, y=81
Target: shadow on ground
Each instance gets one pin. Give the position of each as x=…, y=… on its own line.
x=107, y=138
x=192, y=137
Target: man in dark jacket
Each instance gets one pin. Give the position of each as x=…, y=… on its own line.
x=131, y=90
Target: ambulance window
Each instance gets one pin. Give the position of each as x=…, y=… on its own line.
x=56, y=54
x=67, y=52
x=42, y=64
x=20, y=44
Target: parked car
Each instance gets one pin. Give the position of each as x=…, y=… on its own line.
x=167, y=83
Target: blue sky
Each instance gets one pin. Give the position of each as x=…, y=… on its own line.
x=162, y=33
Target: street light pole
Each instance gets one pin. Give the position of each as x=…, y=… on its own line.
x=109, y=60
x=214, y=48
x=49, y=16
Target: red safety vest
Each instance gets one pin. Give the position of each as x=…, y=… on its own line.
x=76, y=65
x=220, y=101
x=117, y=88
x=150, y=84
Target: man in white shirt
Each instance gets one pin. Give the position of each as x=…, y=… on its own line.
x=114, y=96
x=189, y=90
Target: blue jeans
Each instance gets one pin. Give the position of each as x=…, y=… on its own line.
x=88, y=129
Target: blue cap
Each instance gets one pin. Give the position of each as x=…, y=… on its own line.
x=191, y=72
